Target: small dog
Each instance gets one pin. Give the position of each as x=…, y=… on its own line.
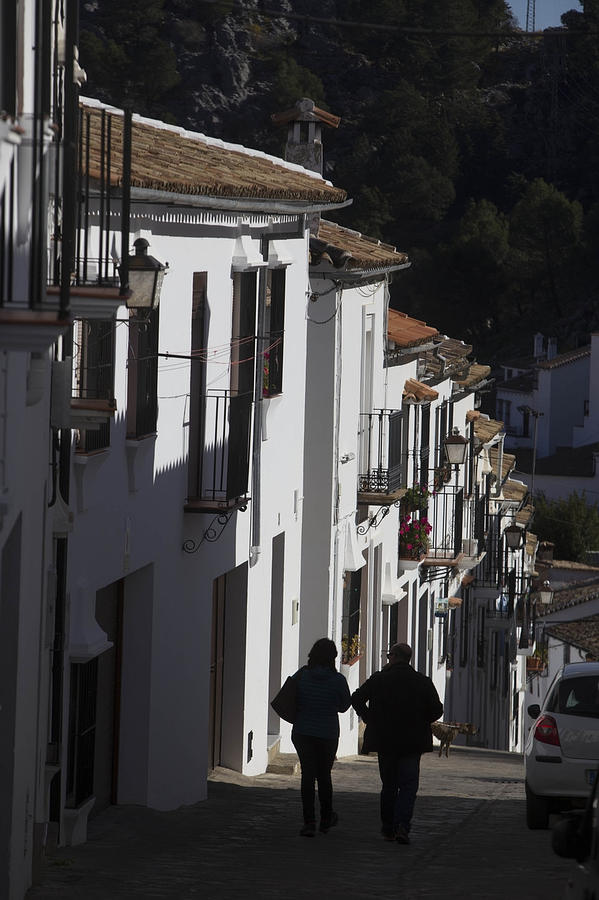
x=446, y=732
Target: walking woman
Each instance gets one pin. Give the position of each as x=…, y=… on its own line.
x=322, y=693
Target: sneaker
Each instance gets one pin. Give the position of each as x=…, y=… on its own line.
x=309, y=829
x=388, y=834
x=401, y=835
x=325, y=824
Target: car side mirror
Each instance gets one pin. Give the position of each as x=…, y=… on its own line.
x=534, y=710
x=570, y=838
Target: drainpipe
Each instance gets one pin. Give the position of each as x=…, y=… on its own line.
x=255, y=547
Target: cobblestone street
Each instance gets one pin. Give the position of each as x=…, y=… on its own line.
x=469, y=839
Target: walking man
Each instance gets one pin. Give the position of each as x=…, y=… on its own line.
x=398, y=705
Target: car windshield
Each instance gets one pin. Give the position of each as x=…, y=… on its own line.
x=577, y=697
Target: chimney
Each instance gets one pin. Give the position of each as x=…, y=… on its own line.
x=551, y=348
x=539, y=340
x=304, y=138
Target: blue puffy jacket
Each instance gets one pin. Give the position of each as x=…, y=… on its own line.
x=322, y=693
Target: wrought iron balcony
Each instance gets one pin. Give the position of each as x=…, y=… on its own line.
x=219, y=451
x=446, y=516
x=382, y=463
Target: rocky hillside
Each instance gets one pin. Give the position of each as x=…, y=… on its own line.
x=463, y=142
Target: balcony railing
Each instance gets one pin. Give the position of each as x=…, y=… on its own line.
x=220, y=461
x=382, y=463
x=446, y=518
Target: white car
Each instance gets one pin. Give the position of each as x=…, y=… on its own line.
x=577, y=837
x=562, y=748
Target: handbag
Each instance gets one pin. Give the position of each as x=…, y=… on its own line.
x=285, y=702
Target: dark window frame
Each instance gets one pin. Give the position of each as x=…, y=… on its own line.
x=350, y=624
x=142, y=375
x=95, y=377
x=274, y=332
x=82, y=732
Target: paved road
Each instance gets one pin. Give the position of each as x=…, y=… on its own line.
x=469, y=840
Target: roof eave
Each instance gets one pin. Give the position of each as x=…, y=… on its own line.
x=235, y=204
x=356, y=276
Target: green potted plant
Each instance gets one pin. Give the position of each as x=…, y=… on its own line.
x=416, y=497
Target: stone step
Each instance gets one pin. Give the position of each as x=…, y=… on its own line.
x=284, y=764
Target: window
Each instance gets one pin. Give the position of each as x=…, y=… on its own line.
x=273, y=333
x=243, y=333
x=425, y=424
x=441, y=433
x=350, y=625
x=8, y=56
x=82, y=731
x=494, y=660
x=464, y=611
x=94, y=377
x=480, y=637
x=142, y=375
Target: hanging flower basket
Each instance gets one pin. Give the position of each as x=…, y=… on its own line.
x=413, y=538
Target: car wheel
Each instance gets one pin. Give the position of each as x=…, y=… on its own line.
x=537, y=810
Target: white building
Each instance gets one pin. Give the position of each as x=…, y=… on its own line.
x=550, y=420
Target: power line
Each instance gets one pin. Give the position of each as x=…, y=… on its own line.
x=421, y=32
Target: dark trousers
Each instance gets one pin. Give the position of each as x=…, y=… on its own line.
x=316, y=756
x=399, y=776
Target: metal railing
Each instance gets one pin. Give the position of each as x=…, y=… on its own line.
x=100, y=202
x=381, y=463
x=445, y=515
x=221, y=459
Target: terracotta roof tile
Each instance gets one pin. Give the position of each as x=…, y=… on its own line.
x=364, y=253
x=475, y=374
x=407, y=332
x=166, y=158
x=514, y=490
x=524, y=516
x=306, y=111
x=486, y=429
x=532, y=542
x=416, y=390
x=508, y=462
x=581, y=633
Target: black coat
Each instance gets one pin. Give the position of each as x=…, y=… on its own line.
x=398, y=705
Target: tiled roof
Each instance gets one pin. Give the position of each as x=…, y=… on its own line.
x=562, y=359
x=514, y=490
x=167, y=158
x=407, y=332
x=475, y=374
x=572, y=596
x=524, y=517
x=582, y=633
x=363, y=253
x=507, y=464
x=485, y=429
x=532, y=542
x=450, y=348
x=416, y=390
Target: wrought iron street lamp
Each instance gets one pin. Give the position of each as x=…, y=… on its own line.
x=514, y=536
x=142, y=278
x=545, y=593
x=455, y=448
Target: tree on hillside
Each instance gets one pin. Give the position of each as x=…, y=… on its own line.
x=572, y=525
x=546, y=237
